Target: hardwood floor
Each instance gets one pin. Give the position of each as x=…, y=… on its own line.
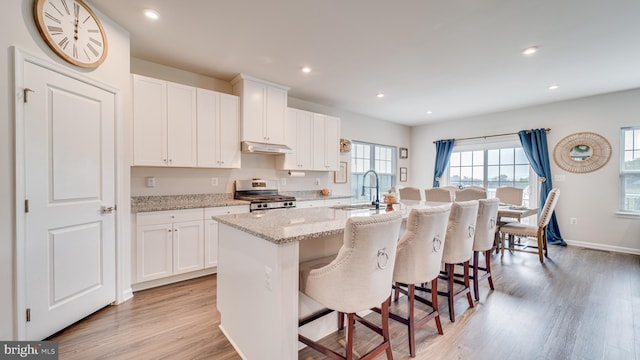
x=580, y=304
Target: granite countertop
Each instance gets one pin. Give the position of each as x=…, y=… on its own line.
x=313, y=195
x=289, y=225
x=180, y=202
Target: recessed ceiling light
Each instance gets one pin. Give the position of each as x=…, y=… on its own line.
x=530, y=50
x=429, y=112
x=151, y=14
x=306, y=69
x=380, y=95
x=553, y=86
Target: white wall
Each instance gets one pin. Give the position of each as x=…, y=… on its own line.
x=175, y=181
x=592, y=197
x=18, y=29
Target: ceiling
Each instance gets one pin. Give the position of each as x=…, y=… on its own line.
x=455, y=58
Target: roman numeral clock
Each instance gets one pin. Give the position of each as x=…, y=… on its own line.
x=72, y=30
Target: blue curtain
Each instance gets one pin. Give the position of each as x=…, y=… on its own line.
x=443, y=153
x=534, y=144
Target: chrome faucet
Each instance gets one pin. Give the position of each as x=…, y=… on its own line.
x=364, y=177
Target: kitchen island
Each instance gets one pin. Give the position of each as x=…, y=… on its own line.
x=259, y=257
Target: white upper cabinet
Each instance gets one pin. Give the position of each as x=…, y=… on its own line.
x=150, y=121
x=314, y=139
x=181, y=124
x=299, y=137
x=326, y=142
x=218, y=130
x=164, y=123
x=263, y=109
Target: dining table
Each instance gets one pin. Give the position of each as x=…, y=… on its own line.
x=517, y=213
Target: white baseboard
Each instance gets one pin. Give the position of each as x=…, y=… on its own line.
x=172, y=279
x=231, y=342
x=619, y=249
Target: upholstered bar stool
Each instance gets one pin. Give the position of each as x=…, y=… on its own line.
x=483, y=242
x=458, y=249
x=438, y=194
x=418, y=261
x=358, y=278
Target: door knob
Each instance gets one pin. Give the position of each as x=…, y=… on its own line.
x=107, y=209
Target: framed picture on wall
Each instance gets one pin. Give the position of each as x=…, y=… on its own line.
x=340, y=176
x=404, y=153
x=403, y=174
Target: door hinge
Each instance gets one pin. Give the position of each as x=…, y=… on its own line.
x=26, y=205
x=28, y=314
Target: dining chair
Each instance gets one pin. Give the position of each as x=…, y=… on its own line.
x=458, y=249
x=409, y=193
x=359, y=278
x=418, y=261
x=483, y=241
x=438, y=194
x=471, y=193
x=539, y=231
x=452, y=189
x=510, y=195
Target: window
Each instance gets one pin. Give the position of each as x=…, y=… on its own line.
x=366, y=156
x=492, y=167
x=630, y=169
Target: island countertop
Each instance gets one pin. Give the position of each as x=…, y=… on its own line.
x=288, y=225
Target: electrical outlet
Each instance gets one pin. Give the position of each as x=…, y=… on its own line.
x=573, y=221
x=151, y=182
x=317, y=182
x=283, y=181
x=214, y=181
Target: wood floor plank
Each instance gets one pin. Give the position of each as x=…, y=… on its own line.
x=579, y=304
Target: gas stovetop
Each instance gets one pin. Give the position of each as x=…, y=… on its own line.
x=263, y=194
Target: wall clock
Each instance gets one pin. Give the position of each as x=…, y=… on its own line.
x=72, y=30
x=582, y=152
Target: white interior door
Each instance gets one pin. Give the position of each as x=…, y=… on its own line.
x=69, y=249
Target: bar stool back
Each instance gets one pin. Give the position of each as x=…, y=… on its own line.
x=418, y=260
x=458, y=249
x=359, y=278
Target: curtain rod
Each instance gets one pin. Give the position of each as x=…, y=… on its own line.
x=488, y=136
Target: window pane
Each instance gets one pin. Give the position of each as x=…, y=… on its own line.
x=628, y=139
x=455, y=159
x=493, y=157
x=466, y=175
x=521, y=158
x=478, y=157
x=632, y=192
x=522, y=175
x=478, y=175
x=493, y=173
x=506, y=156
x=506, y=173
x=466, y=158
x=636, y=139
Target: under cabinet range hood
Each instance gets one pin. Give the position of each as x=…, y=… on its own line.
x=262, y=148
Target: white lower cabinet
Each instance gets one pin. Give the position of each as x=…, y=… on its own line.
x=177, y=242
x=211, y=231
x=168, y=243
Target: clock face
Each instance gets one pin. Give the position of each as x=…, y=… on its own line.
x=72, y=30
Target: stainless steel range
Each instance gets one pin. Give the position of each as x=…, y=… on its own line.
x=263, y=194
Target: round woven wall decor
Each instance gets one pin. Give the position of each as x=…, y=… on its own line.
x=582, y=152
